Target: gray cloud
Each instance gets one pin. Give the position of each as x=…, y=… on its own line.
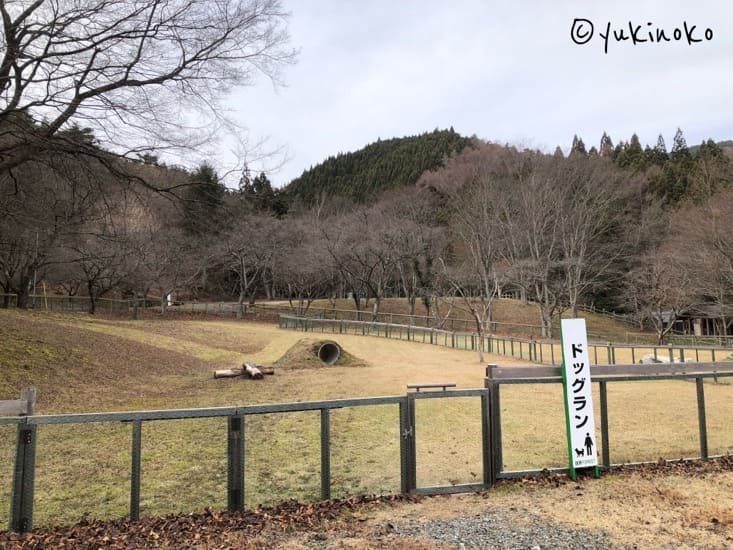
x=506, y=72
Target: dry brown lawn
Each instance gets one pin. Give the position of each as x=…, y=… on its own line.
x=82, y=364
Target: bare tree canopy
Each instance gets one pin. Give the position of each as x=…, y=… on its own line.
x=133, y=71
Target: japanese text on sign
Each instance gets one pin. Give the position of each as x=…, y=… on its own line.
x=579, y=399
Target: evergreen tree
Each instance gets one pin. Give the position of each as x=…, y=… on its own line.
x=712, y=171
x=659, y=153
x=710, y=150
x=680, y=152
x=648, y=155
x=606, y=147
x=382, y=165
x=202, y=201
x=259, y=194
x=631, y=155
x=246, y=180
x=578, y=147
x=618, y=151
x=558, y=154
x=635, y=154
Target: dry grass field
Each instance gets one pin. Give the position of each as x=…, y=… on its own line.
x=84, y=364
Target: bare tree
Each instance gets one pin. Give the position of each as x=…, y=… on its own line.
x=131, y=71
x=337, y=232
x=701, y=234
x=661, y=287
x=371, y=253
x=248, y=249
x=476, y=275
x=43, y=204
x=592, y=218
x=302, y=265
x=418, y=243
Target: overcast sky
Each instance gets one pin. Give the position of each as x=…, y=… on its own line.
x=503, y=71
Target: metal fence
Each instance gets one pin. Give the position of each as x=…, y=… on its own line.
x=22, y=496
x=544, y=352
x=45, y=302
x=419, y=321
x=497, y=376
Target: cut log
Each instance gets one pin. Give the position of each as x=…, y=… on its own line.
x=229, y=373
x=252, y=371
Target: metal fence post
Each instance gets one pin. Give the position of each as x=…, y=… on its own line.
x=604, y=425
x=702, y=424
x=486, y=443
x=135, y=470
x=21, y=508
x=412, y=443
x=325, y=455
x=235, y=463
x=406, y=447
x=494, y=427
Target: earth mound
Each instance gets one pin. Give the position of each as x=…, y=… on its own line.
x=314, y=354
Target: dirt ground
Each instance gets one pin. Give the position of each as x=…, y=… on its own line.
x=659, y=509
x=672, y=505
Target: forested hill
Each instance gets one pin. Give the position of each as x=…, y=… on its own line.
x=382, y=165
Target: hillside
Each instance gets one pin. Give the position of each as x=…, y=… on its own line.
x=511, y=317
x=385, y=164
x=726, y=146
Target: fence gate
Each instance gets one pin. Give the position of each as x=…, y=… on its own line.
x=416, y=429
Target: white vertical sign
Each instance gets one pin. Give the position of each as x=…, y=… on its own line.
x=581, y=426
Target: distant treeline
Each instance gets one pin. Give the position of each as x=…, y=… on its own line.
x=445, y=221
x=386, y=164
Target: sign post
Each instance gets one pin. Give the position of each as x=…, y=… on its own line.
x=579, y=420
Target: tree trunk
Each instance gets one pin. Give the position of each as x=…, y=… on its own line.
x=22, y=295
x=252, y=371
x=240, y=305
x=163, y=303
x=546, y=321
x=480, y=332
x=268, y=290
x=375, y=308
x=92, y=301
x=229, y=373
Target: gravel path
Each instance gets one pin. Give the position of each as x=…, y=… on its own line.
x=505, y=529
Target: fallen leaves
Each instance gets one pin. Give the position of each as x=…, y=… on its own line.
x=207, y=529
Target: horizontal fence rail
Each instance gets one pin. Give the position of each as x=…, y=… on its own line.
x=497, y=376
x=544, y=352
x=234, y=309
x=22, y=496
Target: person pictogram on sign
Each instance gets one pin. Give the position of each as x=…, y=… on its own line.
x=588, y=444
